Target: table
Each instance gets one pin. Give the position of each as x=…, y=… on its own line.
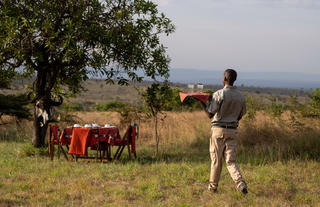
x=79, y=139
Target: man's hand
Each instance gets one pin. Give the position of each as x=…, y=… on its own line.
x=204, y=106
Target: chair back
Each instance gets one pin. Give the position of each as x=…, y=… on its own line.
x=53, y=136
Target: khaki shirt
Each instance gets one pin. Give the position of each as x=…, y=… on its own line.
x=228, y=106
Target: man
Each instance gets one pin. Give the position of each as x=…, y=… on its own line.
x=227, y=107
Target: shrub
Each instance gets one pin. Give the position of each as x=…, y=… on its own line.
x=72, y=107
x=275, y=109
x=113, y=106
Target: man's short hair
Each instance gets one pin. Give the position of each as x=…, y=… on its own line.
x=230, y=76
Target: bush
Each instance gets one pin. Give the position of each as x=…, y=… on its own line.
x=29, y=150
x=114, y=106
x=15, y=105
x=111, y=106
x=275, y=109
x=313, y=109
x=72, y=107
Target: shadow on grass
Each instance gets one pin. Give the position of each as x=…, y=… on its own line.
x=255, y=153
x=10, y=202
x=305, y=148
x=14, y=134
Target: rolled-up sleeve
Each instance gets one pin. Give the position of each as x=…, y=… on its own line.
x=213, y=107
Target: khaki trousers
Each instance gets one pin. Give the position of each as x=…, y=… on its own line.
x=224, y=142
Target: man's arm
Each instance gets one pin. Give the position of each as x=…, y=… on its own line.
x=204, y=106
x=243, y=111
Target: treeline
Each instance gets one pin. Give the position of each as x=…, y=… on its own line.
x=273, y=106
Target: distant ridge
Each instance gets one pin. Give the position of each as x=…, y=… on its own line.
x=260, y=79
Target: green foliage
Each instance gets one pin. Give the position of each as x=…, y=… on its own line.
x=251, y=109
x=313, y=109
x=114, y=106
x=14, y=105
x=111, y=106
x=315, y=98
x=275, y=109
x=29, y=150
x=72, y=107
x=6, y=77
x=157, y=98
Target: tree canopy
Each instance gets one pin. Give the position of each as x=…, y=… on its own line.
x=69, y=40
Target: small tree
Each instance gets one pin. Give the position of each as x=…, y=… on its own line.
x=157, y=98
x=61, y=43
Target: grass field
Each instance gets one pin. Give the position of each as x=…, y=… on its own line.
x=279, y=158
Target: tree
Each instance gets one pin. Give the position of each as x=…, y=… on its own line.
x=157, y=98
x=61, y=43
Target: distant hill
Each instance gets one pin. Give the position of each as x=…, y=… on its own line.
x=260, y=79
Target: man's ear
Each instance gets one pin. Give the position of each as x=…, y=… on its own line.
x=225, y=79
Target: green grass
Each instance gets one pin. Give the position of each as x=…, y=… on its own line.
x=149, y=181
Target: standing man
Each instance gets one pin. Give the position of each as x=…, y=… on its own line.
x=227, y=107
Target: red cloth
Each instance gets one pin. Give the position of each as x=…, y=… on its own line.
x=104, y=134
x=114, y=136
x=203, y=97
x=79, y=141
x=65, y=137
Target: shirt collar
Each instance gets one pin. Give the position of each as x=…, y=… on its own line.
x=229, y=87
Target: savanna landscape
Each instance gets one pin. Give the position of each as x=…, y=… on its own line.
x=110, y=62
x=278, y=154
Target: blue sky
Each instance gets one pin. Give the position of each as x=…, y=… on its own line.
x=248, y=35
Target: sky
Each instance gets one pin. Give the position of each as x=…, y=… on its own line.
x=247, y=35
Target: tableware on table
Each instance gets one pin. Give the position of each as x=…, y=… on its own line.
x=88, y=125
x=109, y=126
x=76, y=125
x=95, y=125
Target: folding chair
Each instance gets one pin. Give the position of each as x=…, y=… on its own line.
x=54, y=139
x=103, y=144
x=129, y=139
x=97, y=144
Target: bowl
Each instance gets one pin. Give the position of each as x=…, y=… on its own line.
x=76, y=125
x=87, y=125
x=95, y=125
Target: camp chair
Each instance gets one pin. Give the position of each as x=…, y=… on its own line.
x=103, y=144
x=98, y=143
x=54, y=139
x=129, y=139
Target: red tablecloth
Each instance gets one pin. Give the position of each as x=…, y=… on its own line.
x=82, y=138
x=200, y=96
x=79, y=141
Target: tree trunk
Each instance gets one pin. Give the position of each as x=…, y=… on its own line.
x=156, y=133
x=40, y=129
x=39, y=132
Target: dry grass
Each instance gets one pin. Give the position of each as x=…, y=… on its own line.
x=275, y=155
